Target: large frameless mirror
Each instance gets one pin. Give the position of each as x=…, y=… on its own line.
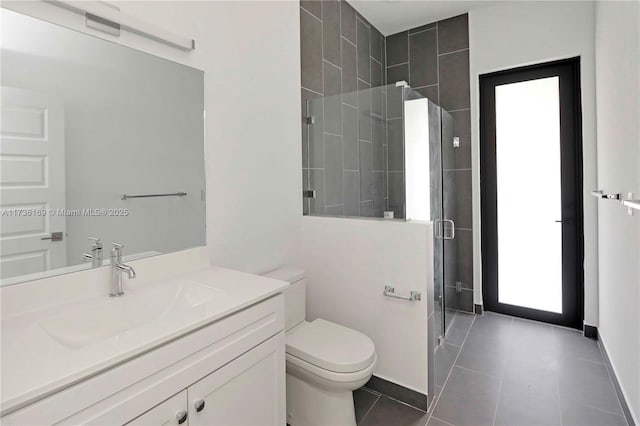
x=97, y=141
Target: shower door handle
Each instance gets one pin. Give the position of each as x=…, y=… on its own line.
x=439, y=229
x=453, y=230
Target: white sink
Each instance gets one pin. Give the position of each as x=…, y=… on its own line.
x=118, y=315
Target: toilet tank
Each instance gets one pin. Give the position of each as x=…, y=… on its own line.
x=294, y=295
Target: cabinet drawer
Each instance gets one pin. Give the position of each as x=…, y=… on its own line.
x=121, y=393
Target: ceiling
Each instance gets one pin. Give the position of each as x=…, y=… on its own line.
x=392, y=16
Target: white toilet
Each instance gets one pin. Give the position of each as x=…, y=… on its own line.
x=326, y=362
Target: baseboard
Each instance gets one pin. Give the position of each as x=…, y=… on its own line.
x=478, y=309
x=398, y=392
x=616, y=384
x=590, y=331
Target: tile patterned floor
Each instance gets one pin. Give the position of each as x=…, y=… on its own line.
x=499, y=370
x=373, y=409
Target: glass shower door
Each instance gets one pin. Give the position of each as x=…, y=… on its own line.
x=437, y=216
x=450, y=290
x=424, y=125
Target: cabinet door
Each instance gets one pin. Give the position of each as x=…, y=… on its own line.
x=171, y=412
x=250, y=390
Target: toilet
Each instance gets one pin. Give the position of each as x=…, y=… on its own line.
x=325, y=362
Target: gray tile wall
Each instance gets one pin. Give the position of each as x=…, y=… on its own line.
x=395, y=151
x=343, y=151
x=434, y=60
x=353, y=155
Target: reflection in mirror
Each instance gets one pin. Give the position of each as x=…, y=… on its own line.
x=85, y=122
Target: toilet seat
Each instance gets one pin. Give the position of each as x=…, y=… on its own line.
x=329, y=379
x=330, y=347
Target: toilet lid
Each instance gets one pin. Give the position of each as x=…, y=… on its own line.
x=331, y=346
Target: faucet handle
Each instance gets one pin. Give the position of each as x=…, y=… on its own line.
x=96, y=242
x=116, y=252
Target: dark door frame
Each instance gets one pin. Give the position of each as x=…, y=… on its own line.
x=568, y=71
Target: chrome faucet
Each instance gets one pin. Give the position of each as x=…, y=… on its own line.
x=96, y=253
x=117, y=268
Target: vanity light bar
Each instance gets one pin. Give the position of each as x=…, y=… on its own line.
x=112, y=15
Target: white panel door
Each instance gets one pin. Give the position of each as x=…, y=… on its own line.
x=171, y=412
x=32, y=182
x=248, y=391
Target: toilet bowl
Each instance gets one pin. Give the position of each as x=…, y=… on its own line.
x=325, y=362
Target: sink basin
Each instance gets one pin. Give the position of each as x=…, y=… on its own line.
x=117, y=315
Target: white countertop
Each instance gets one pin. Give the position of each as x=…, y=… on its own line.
x=34, y=364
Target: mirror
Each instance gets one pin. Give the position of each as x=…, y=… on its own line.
x=97, y=140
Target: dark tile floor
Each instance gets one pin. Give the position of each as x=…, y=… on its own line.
x=373, y=409
x=499, y=370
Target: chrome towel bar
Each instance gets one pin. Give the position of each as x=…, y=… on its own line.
x=632, y=204
x=391, y=292
x=600, y=194
x=174, y=194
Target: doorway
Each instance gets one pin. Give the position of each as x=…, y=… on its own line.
x=531, y=192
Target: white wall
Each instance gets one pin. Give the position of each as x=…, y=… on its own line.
x=618, y=108
x=513, y=34
x=347, y=264
x=250, y=53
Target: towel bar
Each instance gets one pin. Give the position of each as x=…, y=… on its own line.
x=391, y=292
x=600, y=194
x=173, y=194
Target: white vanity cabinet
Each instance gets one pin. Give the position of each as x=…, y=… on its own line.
x=230, y=372
x=243, y=392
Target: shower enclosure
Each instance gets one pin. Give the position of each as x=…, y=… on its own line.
x=427, y=128
x=378, y=153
